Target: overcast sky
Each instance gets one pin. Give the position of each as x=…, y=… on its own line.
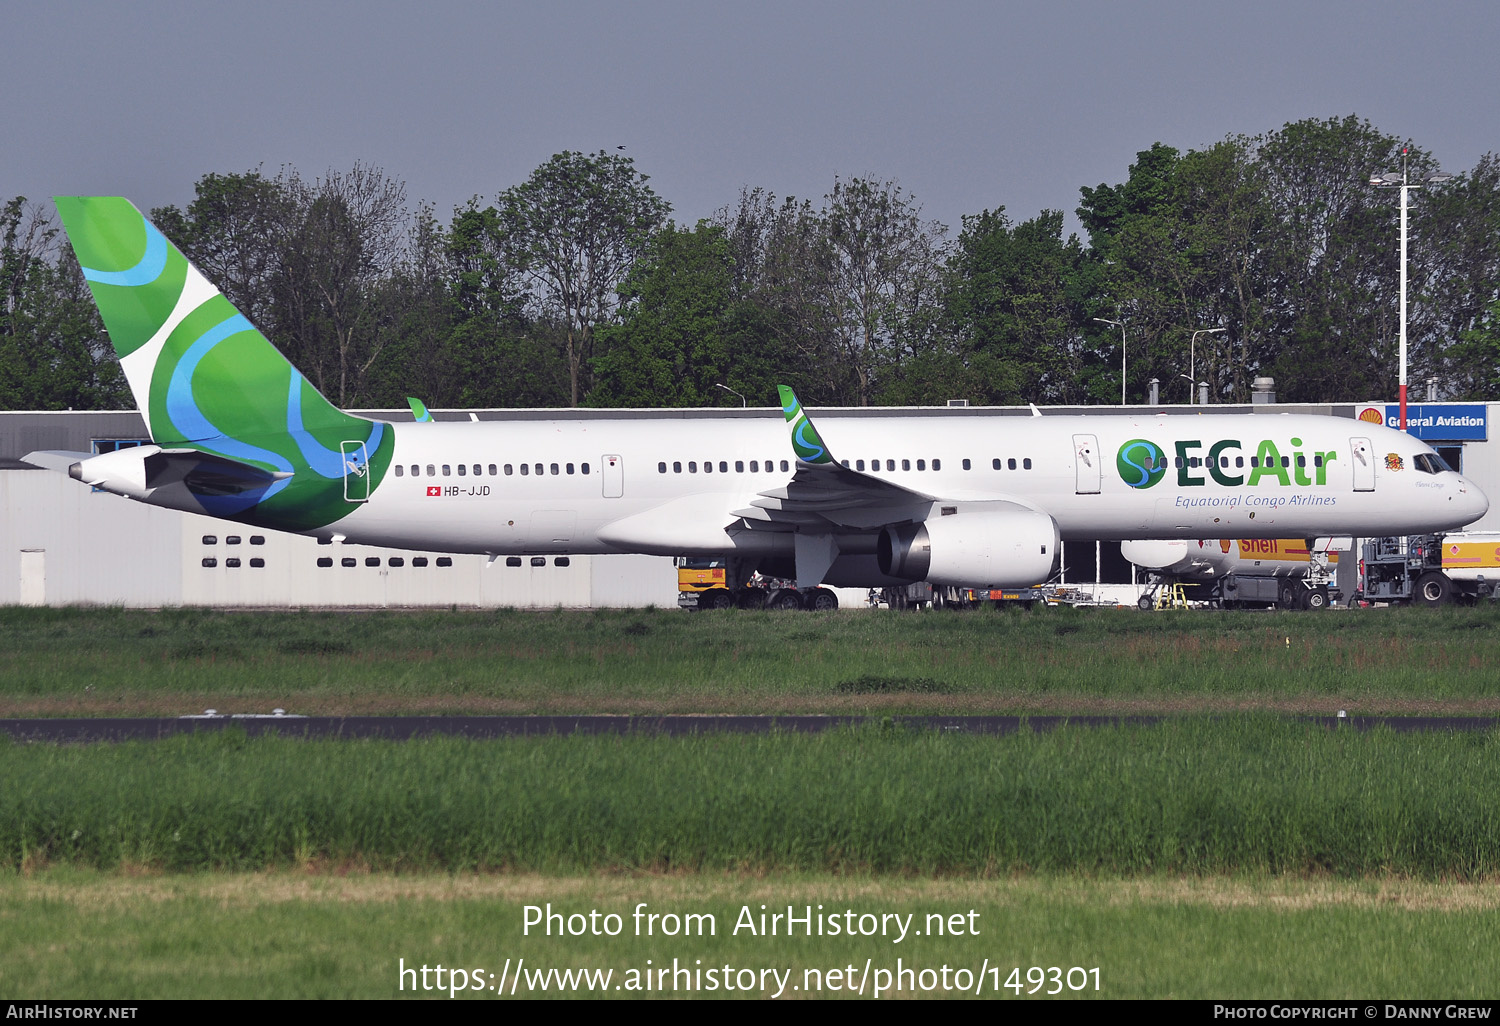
x=967, y=105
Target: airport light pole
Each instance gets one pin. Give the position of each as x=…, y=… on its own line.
x=1117, y=324
x=728, y=389
x=1391, y=180
x=1192, y=356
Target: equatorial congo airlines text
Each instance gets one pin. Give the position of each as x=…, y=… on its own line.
x=794, y=922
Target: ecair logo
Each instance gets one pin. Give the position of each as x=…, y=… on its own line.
x=1142, y=463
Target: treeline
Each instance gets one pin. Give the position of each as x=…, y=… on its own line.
x=575, y=287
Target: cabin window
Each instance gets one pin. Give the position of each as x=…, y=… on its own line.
x=396, y=561
x=233, y=539
x=562, y=561
x=1026, y=463
x=445, y=561
x=859, y=464
x=399, y=469
x=1301, y=460
x=257, y=563
x=583, y=468
x=844, y=463
x=1317, y=459
x=755, y=466
x=723, y=466
x=372, y=561
x=508, y=469
x=1286, y=461
x=785, y=466
x=708, y=466
x=447, y=470
x=210, y=539
x=1239, y=462
x=936, y=465
x=512, y=560
x=210, y=562
x=325, y=561
x=906, y=464
x=232, y=562
x=921, y=464
x=739, y=466
x=257, y=539
x=692, y=466
x=676, y=467
x=661, y=468
x=538, y=560
x=1011, y=463
x=492, y=470
x=997, y=464
x=538, y=470
x=431, y=470
x=462, y=470
x=569, y=468
x=968, y=465
x=419, y=561
x=526, y=470
x=555, y=469
x=348, y=561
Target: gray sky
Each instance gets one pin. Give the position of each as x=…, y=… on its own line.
x=968, y=105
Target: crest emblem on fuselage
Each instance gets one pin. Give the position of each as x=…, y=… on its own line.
x=1141, y=463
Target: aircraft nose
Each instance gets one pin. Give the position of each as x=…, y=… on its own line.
x=1473, y=501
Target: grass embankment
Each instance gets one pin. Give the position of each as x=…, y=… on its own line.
x=113, y=662
x=1249, y=795
x=71, y=933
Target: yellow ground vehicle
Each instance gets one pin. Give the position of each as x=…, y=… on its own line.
x=710, y=584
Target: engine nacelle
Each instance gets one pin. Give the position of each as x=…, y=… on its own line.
x=1010, y=549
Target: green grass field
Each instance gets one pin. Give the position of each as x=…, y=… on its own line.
x=1228, y=853
x=1191, y=796
x=70, y=933
x=102, y=662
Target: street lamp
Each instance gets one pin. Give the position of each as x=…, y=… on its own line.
x=1192, y=354
x=1391, y=180
x=1117, y=324
x=728, y=389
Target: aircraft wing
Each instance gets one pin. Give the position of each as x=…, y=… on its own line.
x=824, y=493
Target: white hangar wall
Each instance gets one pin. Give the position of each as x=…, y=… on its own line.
x=64, y=544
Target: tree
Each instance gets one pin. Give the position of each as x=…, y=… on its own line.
x=54, y=353
x=574, y=228
x=345, y=237
x=1014, y=328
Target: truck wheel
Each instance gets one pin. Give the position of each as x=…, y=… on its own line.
x=822, y=600
x=751, y=598
x=1288, y=597
x=1434, y=589
x=717, y=598
x=785, y=600
x=1317, y=598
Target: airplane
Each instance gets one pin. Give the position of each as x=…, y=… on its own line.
x=858, y=500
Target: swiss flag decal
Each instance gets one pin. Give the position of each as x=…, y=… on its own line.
x=434, y=489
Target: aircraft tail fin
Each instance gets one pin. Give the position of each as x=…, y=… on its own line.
x=205, y=378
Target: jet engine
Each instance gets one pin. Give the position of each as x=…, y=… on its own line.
x=1009, y=549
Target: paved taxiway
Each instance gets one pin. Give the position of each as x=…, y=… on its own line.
x=403, y=727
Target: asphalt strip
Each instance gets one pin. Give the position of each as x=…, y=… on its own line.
x=400, y=728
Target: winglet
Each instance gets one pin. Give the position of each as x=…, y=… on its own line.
x=806, y=442
x=419, y=410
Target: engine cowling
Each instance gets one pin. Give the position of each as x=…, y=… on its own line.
x=1010, y=549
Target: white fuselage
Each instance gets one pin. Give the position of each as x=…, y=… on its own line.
x=677, y=480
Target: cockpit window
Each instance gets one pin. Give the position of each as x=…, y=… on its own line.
x=1429, y=463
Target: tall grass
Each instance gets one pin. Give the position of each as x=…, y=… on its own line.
x=1248, y=794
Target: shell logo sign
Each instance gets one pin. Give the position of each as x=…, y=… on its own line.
x=1372, y=415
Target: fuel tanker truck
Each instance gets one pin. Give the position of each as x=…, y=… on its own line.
x=1236, y=573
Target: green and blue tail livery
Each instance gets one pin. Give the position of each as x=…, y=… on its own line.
x=806, y=442
x=206, y=379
